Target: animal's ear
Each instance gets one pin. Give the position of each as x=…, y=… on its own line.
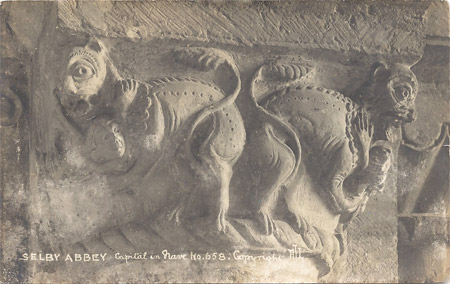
x=95, y=45
x=378, y=69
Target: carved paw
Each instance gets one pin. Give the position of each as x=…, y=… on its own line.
x=364, y=131
x=221, y=222
x=309, y=234
x=125, y=93
x=379, y=165
x=266, y=222
x=129, y=87
x=204, y=59
x=175, y=215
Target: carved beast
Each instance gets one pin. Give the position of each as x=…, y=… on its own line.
x=131, y=128
x=311, y=140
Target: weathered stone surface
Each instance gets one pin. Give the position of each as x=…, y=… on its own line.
x=331, y=25
x=293, y=141
x=14, y=153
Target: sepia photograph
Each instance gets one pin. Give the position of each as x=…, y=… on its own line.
x=218, y=141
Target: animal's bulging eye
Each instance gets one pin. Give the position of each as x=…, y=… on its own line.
x=82, y=72
x=405, y=93
x=402, y=93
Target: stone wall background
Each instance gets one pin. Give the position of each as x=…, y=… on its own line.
x=342, y=38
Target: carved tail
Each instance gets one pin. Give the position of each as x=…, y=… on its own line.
x=225, y=102
x=279, y=122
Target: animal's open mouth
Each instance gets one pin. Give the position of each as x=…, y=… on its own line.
x=75, y=104
x=398, y=117
x=81, y=108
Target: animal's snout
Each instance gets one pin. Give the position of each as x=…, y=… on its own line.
x=82, y=107
x=69, y=86
x=94, y=99
x=412, y=115
x=75, y=104
x=406, y=113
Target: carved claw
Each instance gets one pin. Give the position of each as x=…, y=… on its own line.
x=204, y=59
x=129, y=87
x=126, y=92
x=364, y=131
x=222, y=222
x=266, y=222
x=309, y=234
x=363, y=124
x=175, y=215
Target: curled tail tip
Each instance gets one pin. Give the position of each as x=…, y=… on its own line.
x=202, y=58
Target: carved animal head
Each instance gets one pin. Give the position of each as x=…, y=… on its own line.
x=391, y=94
x=106, y=147
x=88, y=78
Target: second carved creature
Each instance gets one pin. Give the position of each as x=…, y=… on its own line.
x=310, y=135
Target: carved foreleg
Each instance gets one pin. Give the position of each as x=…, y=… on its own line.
x=274, y=162
x=218, y=143
x=218, y=154
x=125, y=93
x=185, y=191
x=221, y=203
x=207, y=194
x=364, y=131
x=379, y=165
x=142, y=113
x=371, y=180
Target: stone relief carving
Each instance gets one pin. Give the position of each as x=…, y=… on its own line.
x=315, y=154
x=117, y=164
x=350, y=142
x=330, y=148
x=131, y=127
